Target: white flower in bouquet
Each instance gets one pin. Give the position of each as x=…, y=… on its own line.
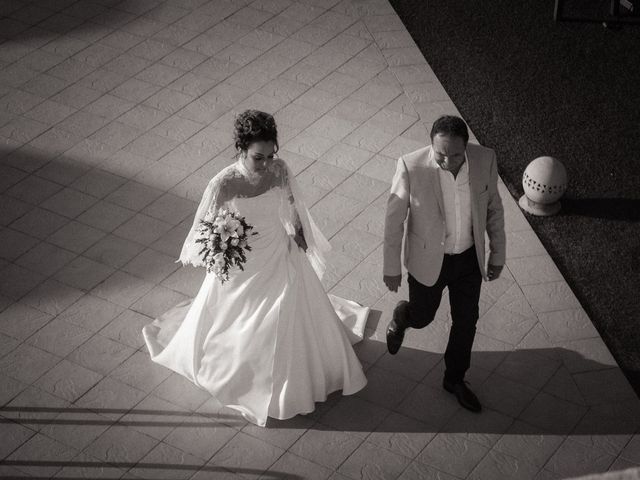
x=222, y=228
x=218, y=259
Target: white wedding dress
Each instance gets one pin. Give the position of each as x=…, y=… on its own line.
x=268, y=342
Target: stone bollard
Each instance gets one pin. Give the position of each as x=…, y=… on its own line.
x=544, y=182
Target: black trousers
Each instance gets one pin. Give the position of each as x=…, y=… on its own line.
x=461, y=274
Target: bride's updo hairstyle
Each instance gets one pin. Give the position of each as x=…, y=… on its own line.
x=254, y=126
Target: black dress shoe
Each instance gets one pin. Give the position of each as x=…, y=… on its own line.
x=465, y=396
x=396, y=328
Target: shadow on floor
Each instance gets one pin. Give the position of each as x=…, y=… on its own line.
x=626, y=209
x=159, y=467
x=433, y=409
x=79, y=19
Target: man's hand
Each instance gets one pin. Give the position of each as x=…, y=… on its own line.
x=493, y=271
x=299, y=239
x=392, y=282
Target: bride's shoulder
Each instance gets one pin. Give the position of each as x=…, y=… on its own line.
x=224, y=176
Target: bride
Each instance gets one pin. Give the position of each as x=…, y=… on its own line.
x=268, y=342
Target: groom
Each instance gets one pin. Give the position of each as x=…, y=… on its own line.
x=448, y=194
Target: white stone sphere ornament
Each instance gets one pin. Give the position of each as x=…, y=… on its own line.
x=544, y=182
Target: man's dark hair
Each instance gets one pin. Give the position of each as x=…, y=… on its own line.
x=450, y=125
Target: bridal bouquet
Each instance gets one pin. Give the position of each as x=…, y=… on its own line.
x=224, y=241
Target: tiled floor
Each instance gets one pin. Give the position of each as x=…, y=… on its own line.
x=113, y=116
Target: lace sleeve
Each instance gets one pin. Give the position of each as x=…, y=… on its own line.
x=212, y=199
x=295, y=216
x=292, y=219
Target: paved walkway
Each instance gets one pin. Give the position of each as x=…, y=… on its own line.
x=114, y=115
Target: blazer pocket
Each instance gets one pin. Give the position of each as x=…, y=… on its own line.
x=417, y=240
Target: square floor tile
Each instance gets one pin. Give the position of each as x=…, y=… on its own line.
x=83, y=273
x=140, y=372
x=165, y=461
x=500, y=465
x=69, y=203
x=181, y=391
x=33, y=190
x=185, y=280
x=13, y=435
x=106, y=216
x=385, y=388
x=27, y=363
x=34, y=408
x=246, y=453
x=15, y=281
x=52, y=297
x=325, y=446
x=453, y=454
x=98, y=183
x=77, y=428
x=76, y=237
x=39, y=223
x=20, y=321
x=91, y=312
x=15, y=243
x=403, y=435
x=575, y=459
x=40, y=456
x=372, y=461
x=553, y=414
x=134, y=195
x=158, y=301
x=171, y=208
x=155, y=417
x=101, y=354
x=121, y=445
x=161, y=175
x=295, y=465
x=65, y=169
x=126, y=328
x=13, y=209
x=122, y=288
x=59, y=337
x=152, y=266
x=111, y=399
x=9, y=389
x=114, y=251
x=68, y=380
x=441, y=406
x=354, y=415
x=200, y=437
x=45, y=258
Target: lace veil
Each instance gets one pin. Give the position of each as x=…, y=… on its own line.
x=235, y=181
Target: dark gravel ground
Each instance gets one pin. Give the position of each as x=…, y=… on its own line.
x=529, y=86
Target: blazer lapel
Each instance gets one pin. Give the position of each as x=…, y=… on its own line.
x=474, y=189
x=435, y=180
x=473, y=186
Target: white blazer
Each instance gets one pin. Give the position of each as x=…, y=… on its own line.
x=416, y=196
